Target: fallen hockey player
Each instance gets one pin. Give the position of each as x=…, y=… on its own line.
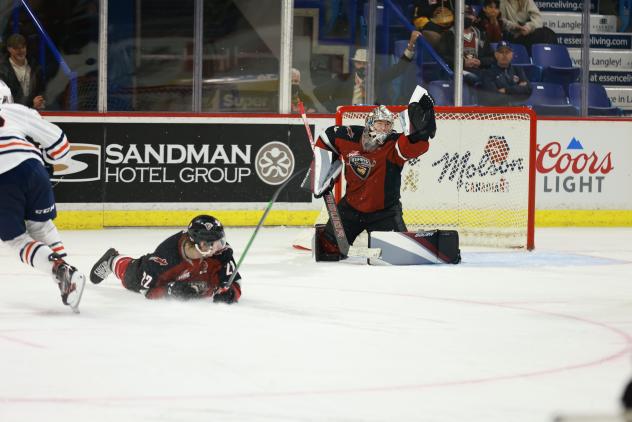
x=195, y=263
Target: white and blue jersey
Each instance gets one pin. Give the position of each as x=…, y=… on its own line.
x=24, y=134
x=25, y=189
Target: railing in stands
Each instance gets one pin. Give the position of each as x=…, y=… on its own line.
x=409, y=26
x=72, y=76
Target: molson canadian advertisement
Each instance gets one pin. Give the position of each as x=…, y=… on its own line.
x=584, y=166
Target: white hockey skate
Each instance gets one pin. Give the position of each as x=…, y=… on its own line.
x=70, y=281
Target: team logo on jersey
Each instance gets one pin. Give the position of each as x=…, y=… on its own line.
x=83, y=164
x=274, y=163
x=203, y=267
x=158, y=260
x=360, y=165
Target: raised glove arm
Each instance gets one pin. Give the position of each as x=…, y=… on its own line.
x=422, y=119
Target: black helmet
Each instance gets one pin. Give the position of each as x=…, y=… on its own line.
x=205, y=228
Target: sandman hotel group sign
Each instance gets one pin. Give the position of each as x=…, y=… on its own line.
x=183, y=163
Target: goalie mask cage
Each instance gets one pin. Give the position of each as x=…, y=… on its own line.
x=478, y=177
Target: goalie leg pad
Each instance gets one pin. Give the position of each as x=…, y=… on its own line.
x=324, y=248
x=416, y=248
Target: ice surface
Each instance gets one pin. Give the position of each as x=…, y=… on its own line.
x=505, y=336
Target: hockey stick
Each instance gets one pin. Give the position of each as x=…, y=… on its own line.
x=332, y=209
x=263, y=217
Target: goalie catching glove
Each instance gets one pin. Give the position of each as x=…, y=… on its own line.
x=418, y=120
x=421, y=115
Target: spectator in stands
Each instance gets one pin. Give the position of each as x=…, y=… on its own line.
x=23, y=75
x=522, y=23
x=490, y=21
x=504, y=84
x=433, y=18
x=299, y=94
x=477, y=53
x=350, y=88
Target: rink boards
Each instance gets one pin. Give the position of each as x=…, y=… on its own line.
x=180, y=166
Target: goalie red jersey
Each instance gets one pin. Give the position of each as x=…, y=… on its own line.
x=373, y=178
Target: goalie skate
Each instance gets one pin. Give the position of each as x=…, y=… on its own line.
x=70, y=282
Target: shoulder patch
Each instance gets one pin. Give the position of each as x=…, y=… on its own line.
x=160, y=261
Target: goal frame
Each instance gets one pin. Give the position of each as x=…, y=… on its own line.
x=439, y=110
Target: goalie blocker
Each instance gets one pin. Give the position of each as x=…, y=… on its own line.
x=399, y=248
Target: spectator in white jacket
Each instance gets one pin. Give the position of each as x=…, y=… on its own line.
x=522, y=23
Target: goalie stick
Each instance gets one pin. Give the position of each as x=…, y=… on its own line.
x=332, y=209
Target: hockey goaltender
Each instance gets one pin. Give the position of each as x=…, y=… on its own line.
x=375, y=155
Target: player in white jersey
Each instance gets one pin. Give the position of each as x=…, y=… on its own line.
x=27, y=204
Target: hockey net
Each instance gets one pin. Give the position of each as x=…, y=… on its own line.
x=478, y=177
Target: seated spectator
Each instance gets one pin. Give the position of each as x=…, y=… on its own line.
x=299, y=94
x=490, y=21
x=477, y=53
x=433, y=18
x=23, y=76
x=504, y=84
x=522, y=23
x=350, y=88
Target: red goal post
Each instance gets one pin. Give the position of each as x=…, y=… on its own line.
x=478, y=177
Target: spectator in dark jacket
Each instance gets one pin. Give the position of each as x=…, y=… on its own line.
x=504, y=84
x=477, y=53
x=23, y=75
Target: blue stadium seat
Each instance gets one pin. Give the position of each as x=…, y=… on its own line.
x=443, y=93
x=556, y=63
x=599, y=103
x=550, y=99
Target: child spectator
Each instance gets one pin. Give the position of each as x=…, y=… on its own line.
x=490, y=21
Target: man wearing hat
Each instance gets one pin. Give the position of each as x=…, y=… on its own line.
x=504, y=84
x=351, y=88
x=23, y=75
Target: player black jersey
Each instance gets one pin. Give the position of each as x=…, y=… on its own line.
x=169, y=263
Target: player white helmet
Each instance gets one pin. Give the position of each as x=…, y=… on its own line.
x=5, y=94
x=377, y=127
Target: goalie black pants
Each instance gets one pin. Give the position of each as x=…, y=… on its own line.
x=355, y=222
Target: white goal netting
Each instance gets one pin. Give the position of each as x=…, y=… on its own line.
x=477, y=177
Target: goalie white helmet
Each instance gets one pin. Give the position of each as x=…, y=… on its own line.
x=377, y=127
x=5, y=94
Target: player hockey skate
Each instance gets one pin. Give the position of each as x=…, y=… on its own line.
x=103, y=267
x=70, y=281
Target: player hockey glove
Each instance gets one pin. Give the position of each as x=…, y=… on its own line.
x=422, y=119
x=226, y=297
x=182, y=291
